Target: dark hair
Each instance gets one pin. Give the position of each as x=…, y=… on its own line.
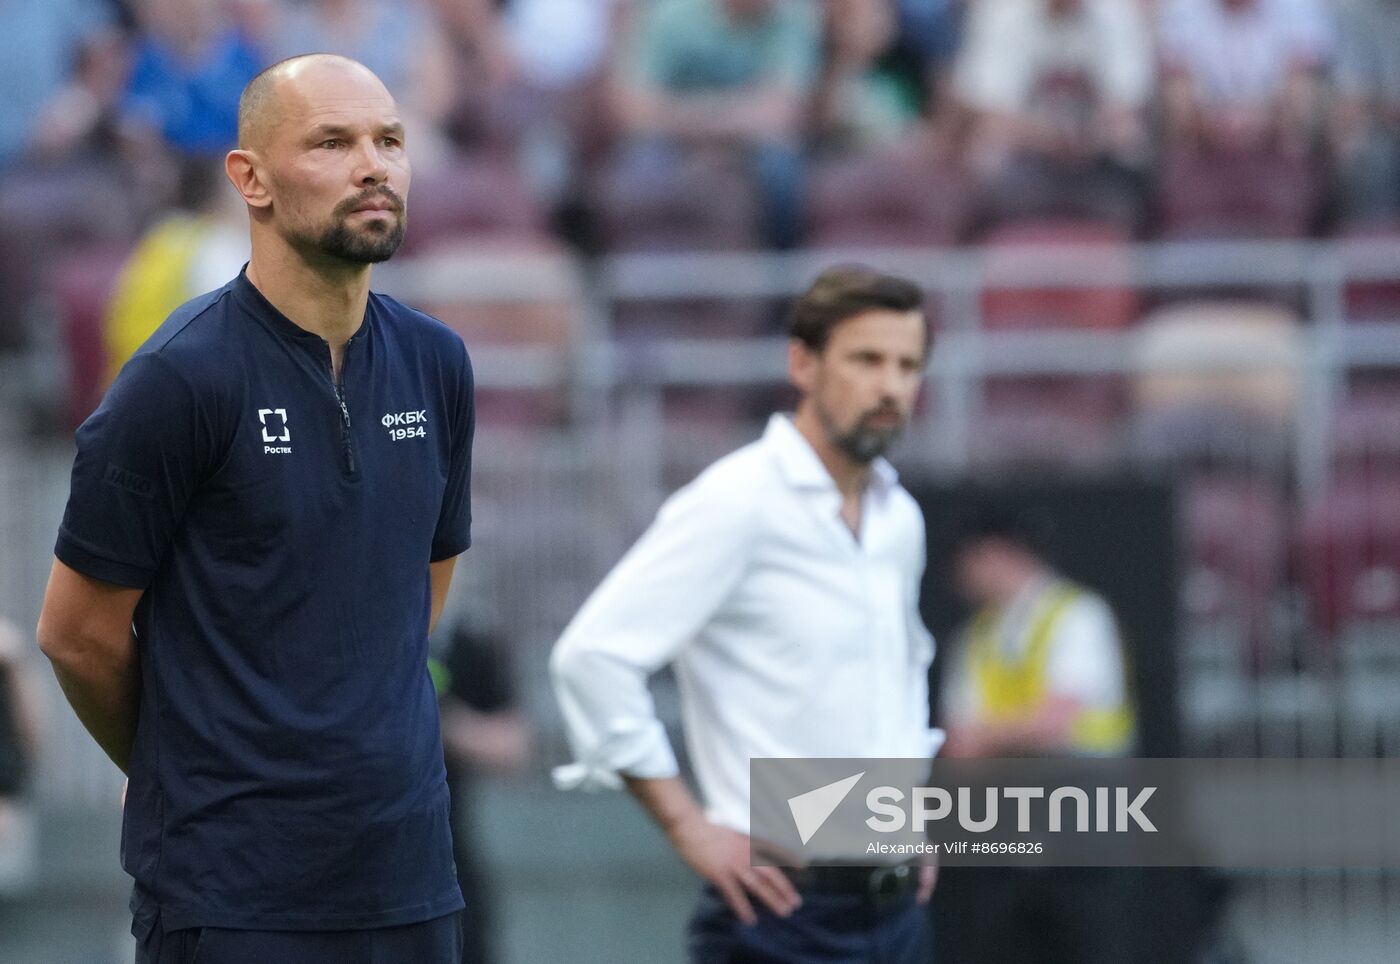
x=846, y=291
x=1000, y=522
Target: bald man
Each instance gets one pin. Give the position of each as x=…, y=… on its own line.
x=262, y=525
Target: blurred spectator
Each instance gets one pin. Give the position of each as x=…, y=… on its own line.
x=399, y=41
x=1243, y=75
x=929, y=33
x=526, y=81
x=1366, y=126
x=480, y=67
x=732, y=74
x=1039, y=671
x=190, y=66
x=1057, y=89
x=196, y=247
x=19, y=740
x=483, y=733
x=62, y=68
x=862, y=104
x=1243, y=116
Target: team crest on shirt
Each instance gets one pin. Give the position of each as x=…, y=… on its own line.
x=406, y=425
x=274, y=429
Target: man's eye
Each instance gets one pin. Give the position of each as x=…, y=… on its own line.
x=331, y=143
x=391, y=142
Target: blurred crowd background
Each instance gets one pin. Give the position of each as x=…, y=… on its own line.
x=1161, y=241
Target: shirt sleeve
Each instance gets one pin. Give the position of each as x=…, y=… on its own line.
x=1127, y=59
x=921, y=653
x=454, y=529
x=1086, y=662
x=141, y=456
x=653, y=603
x=992, y=71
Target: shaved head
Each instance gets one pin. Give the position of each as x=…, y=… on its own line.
x=261, y=105
x=321, y=160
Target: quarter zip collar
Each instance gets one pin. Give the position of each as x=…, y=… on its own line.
x=266, y=312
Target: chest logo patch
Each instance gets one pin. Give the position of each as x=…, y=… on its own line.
x=405, y=425
x=274, y=429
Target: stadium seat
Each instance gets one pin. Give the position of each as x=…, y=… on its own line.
x=1236, y=553
x=81, y=285
x=480, y=197
x=1100, y=248
x=1257, y=194
x=699, y=204
x=1371, y=301
x=1047, y=422
x=1216, y=385
x=1366, y=433
x=523, y=297
x=1350, y=542
x=689, y=202
x=886, y=201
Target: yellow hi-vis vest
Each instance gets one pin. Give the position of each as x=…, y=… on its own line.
x=154, y=282
x=1009, y=690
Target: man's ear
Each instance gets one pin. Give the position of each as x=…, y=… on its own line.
x=244, y=171
x=802, y=366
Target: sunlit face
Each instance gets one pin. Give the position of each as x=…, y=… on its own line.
x=862, y=386
x=977, y=568
x=337, y=170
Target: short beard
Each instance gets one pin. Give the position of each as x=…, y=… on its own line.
x=371, y=244
x=860, y=444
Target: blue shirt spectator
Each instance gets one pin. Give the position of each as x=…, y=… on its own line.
x=187, y=74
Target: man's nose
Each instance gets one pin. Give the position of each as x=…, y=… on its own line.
x=372, y=170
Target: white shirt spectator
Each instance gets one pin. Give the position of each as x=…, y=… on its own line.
x=1013, y=45
x=1242, y=54
x=790, y=637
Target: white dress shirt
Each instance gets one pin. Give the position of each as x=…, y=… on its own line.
x=790, y=636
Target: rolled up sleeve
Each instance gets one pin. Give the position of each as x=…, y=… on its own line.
x=653, y=604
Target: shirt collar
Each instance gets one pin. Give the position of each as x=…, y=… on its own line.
x=803, y=468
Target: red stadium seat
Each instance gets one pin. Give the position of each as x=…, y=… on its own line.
x=1109, y=305
x=701, y=204
x=698, y=203
x=1372, y=301
x=886, y=201
x=1060, y=422
x=524, y=296
x=1350, y=541
x=1257, y=194
x=81, y=285
x=1235, y=540
x=1366, y=433
x=478, y=197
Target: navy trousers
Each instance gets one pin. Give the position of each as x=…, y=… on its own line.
x=826, y=929
x=436, y=941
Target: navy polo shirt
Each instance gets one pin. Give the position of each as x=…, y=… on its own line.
x=288, y=767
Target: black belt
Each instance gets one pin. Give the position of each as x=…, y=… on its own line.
x=876, y=884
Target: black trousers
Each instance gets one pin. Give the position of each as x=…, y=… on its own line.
x=437, y=941
x=1047, y=915
x=826, y=929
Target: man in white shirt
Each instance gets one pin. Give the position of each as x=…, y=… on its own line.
x=783, y=584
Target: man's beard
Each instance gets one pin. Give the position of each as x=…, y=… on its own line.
x=861, y=443
x=370, y=243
